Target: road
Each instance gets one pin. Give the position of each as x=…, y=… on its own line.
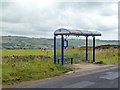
x=102, y=79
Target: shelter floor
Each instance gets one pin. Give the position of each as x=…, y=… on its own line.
x=87, y=66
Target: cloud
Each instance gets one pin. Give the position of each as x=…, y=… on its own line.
x=41, y=19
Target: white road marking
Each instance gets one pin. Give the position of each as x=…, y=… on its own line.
x=110, y=75
x=82, y=84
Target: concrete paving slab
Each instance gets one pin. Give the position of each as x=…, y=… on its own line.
x=87, y=66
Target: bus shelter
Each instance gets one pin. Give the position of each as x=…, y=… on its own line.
x=64, y=43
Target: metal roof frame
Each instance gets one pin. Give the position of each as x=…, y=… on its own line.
x=63, y=31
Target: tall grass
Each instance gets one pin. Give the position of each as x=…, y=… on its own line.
x=108, y=56
x=18, y=70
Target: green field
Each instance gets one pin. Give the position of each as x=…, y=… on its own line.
x=108, y=56
x=26, y=52
x=25, y=69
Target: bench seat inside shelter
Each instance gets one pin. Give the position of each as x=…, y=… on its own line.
x=71, y=58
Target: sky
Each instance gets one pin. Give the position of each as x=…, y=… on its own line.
x=40, y=18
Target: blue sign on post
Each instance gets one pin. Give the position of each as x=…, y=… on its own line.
x=65, y=43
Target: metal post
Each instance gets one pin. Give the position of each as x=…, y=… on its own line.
x=71, y=60
x=58, y=60
x=86, y=48
x=62, y=49
x=54, y=49
x=93, y=49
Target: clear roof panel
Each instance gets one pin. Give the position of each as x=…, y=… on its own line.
x=95, y=32
x=63, y=31
x=59, y=31
x=86, y=32
x=75, y=31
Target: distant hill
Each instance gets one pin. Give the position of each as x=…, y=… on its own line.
x=17, y=42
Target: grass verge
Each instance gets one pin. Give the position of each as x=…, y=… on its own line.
x=19, y=70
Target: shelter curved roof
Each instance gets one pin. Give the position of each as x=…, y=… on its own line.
x=63, y=31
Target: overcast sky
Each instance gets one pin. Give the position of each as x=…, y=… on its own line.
x=41, y=19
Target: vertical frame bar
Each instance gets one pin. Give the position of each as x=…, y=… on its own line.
x=71, y=60
x=54, y=49
x=93, y=49
x=62, y=49
x=58, y=60
x=86, y=48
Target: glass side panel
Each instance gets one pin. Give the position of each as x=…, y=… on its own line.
x=76, y=49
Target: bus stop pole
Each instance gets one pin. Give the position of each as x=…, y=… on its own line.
x=62, y=49
x=93, y=49
x=54, y=49
x=86, y=48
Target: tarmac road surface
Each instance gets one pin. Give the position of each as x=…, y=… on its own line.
x=102, y=79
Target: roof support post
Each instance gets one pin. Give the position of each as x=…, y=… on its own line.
x=54, y=49
x=62, y=49
x=86, y=48
x=93, y=49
